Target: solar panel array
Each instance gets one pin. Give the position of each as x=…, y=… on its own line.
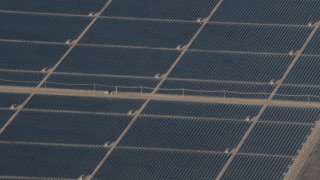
x=226, y=48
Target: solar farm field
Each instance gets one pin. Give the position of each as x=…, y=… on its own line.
x=171, y=89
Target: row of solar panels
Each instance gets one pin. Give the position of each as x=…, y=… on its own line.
x=208, y=166
x=151, y=33
x=212, y=127
x=132, y=62
x=71, y=162
x=258, y=11
x=38, y=123
x=155, y=132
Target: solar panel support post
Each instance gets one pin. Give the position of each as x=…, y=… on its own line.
x=224, y=93
x=116, y=89
x=308, y=98
x=141, y=90
x=183, y=92
x=94, y=87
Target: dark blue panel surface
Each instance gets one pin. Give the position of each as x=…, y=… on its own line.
x=48, y=161
x=56, y=6
x=221, y=89
x=4, y=116
x=232, y=67
x=251, y=38
x=118, y=61
x=291, y=114
x=8, y=99
x=102, y=83
x=305, y=71
x=140, y=33
x=196, y=134
x=141, y=164
x=29, y=56
x=41, y=28
x=201, y=109
x=257, y=167
x=314, y=45
x=165, y=9
x=274, y=138
x=83, y=103
x=299, y=93
x=271, y=11
x=9, y=78
x=67, y=128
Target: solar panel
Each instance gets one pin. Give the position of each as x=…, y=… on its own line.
x=192, y=134
x=272, y=11
x=291, y=114
x=7, y=99
x=278, y=139
x=314, y=47
x=20, y=78
x=48, y=161
x=144, y=164
x=305, y=71
x=57, y=6
x=140, y=33
x=165, y=9
x=66, y=128
x=41, y=28
x=235, y=37
x=231, y=67
x=4, y=116
x=118, y=61
x=29, y=56
x=257, y=167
